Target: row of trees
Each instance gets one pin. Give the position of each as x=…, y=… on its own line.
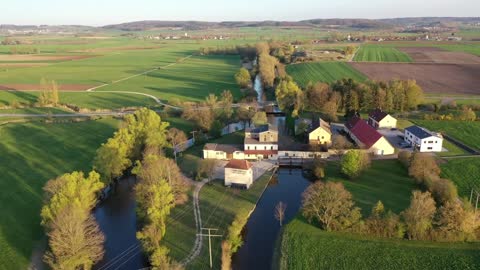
x=465, y=114
x=245, y=51
x=331, y=206
x=268, y=65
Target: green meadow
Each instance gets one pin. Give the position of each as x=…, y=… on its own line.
x=466, y=132
x=379, y=53
x=326, y=72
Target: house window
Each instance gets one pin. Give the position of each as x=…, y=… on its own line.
x=271, y=148
x=430, y=141
x=255, y=148
x=265, y=148
x=248, y=147
x=429, y=148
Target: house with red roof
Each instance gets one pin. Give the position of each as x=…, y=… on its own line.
x=380, y=119
x=368, y=137
x=238, y=173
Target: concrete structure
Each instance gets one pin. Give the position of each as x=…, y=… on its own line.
x=261, y=143
x=423, y=140
x=320, y=133
x=238, y=173
x=381, y=119
x=367, y=137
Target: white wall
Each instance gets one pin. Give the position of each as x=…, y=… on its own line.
x=431, y=144
x=236, y=176
x=210, y=154
x=261, y=146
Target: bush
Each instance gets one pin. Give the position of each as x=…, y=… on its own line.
x=354, y=162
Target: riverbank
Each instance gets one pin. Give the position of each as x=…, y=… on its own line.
x=218, y=207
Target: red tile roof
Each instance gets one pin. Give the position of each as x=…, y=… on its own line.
x=378, y=115
x=261, y=152
x=366, y=134
x=238, y=164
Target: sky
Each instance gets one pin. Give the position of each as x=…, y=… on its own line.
x=103, y=12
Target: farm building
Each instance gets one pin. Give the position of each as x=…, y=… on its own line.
x=367, y=137
x=320, y=133
x=261, y=142
x=381, y=119
x=222, y=151
x=238, y=173
x=423, y=140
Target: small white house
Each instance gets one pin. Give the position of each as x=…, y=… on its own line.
x=238, y=173
x=380, y=119
x=423, y=140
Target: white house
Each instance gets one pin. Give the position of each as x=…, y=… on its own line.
x=238, y=173
x=261, y=143
x=381, y=119
x=423, y=140
x=222, y=151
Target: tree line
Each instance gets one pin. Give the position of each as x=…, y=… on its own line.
x=74, y=238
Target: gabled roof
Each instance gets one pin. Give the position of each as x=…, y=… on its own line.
x=320, y=123
x=227, y=148
x=420, y=132
x=378, y=115
x=366, y=134
x=238, y=164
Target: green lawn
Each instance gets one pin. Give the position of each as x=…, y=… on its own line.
x=379, y=53
x=326, y=72
x=466, y=132
x=218, y=206
x=32, y=153
x=385, y=180
x=464, y=172
x=305, y=246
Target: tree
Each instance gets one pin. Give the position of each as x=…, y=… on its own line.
x=413, y=94
x=202, y=116
x=405, y=157
x=349, y=50
x=226, y=102
x=243, y=78
x=467, y=114
x=75, y=242
x=267, y=65
x=207, y=168
x=260, y=118
x=354, y=162
x=280, y=212
x=71, y=191
x=289, y=97
x=331, y=205
x=330, y=109
x=384, y=224
x=246, y=112
x=457, y=221
x=443, y=190
x=176, y=137
x=49, y=93
x=316, y=95
x=423, y=167
x=340, y=143
x=262, y=48
x=419, y=215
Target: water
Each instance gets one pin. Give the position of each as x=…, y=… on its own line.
x=117, y=219
x=258, y=87
x=262, y=228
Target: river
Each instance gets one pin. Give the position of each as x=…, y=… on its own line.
x=262, y=228
x=118, y=221
x=258, y=87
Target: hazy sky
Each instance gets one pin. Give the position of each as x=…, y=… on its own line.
x=101, y=12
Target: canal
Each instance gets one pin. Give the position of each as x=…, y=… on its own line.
x=262, y=228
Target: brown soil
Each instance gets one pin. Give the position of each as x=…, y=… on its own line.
x=437, y=55
x=30, y=87
x=433, y=78
x=43, y=57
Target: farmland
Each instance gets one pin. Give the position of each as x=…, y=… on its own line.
x=33, y=153
x=305, y=246
x=377, y=53
x=464, y=172
x=466, y=132
x=326, y=72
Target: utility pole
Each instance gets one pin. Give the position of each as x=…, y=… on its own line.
x=193, y=134
x=210, y=240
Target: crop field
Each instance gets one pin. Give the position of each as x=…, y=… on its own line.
x=32, y=153
x=466, y=132
x=386, y=180
x=377, y=53
x=439, y=55
x=464, y=172
x=305, y=246
x=326, y=72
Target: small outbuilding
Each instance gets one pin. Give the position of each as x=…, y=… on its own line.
x=238, y=173
x=381, y=119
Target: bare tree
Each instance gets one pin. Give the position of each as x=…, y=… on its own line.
x=175, y=137
x=280, y=212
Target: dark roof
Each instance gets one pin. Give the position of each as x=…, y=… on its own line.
x=320, y=123
x=261, y=128
x=227, y=148
x=419, y=132
x=366, y=134
x=238, y=164
x=377, y=115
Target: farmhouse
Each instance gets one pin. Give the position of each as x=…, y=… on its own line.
x=238, y=173
x=320, y=133
x=261, y=142
x=423, y=140
x=222, y=151
x=381, y=119
x=367, y=137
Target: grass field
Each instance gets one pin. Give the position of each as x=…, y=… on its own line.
x=32, y=153
x=378, y=53
x=326, y=72
x=386, y=180
x=218, y=206
x=305, y=246
x=466, y=132
x=464, y=172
